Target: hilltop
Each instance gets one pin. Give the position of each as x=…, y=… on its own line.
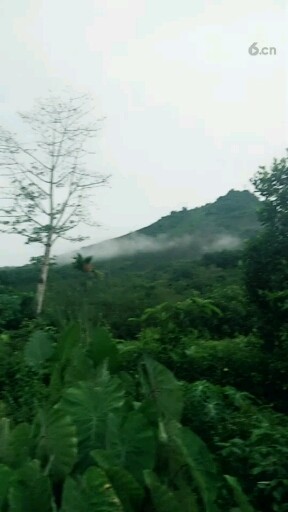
x=224, y=224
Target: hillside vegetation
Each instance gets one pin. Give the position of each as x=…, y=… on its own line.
x=206, y=258
x=224, y=224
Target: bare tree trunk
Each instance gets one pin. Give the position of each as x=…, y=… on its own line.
x=42, y=283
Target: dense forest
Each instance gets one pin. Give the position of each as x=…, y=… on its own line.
x=154, y=380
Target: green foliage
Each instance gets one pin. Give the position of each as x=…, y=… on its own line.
x=98, y=447
x=181, y=418
x=266, y=261
x=201, y=465
x=272, y=186
x=135, y=283
x=102, y=347
x=89, y=405
x=163, y=499
x=129, y=491
x=92, y=492
x=30, y=490
x=56, y=442
x=14, y=308
x=240, y=497
x=250, y=440
x=130, y=442
x=38, y=349
x=6, y=475
x=85, y=265
x=236, y=318
x=161, y=387
x=192, y=316
x=237, y=362
x=234, y=214
x=21, y=386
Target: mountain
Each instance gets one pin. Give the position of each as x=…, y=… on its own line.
x=224, y=224
x=181, y=254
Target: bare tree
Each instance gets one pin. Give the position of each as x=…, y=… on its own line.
x=50, y=179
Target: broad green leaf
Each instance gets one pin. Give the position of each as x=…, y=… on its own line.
x=203, y=471
x=93, y=493
x=162, y=498
x=20, y=445
x=15, y=445
x=131, y=442
x=68, y=340
x=187, y=498
x=126, y=487
x=89, y=405
x=6, y=475
x=56, y=384
x=240, y=498
x=80, y=368
x=73, y=497
x=160, y=385
x=5, y=436
x=38, y=349
x=56, y=441
x=30, y=490
x=102, y=347
x=100, y=491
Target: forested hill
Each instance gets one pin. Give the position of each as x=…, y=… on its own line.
x=224, y=224
x=234, y=213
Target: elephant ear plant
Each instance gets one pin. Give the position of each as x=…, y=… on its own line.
x=94, y=445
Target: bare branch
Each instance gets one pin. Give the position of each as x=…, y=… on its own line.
x=54, y=166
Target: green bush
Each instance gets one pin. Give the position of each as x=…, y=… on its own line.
x=251, y=441
x=14, y=308
x=237, y=362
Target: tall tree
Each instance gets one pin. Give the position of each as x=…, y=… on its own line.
x=266, y=258
x=272, y=186
x=50, y=177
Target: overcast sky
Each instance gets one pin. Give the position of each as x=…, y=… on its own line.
x=189, y=112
